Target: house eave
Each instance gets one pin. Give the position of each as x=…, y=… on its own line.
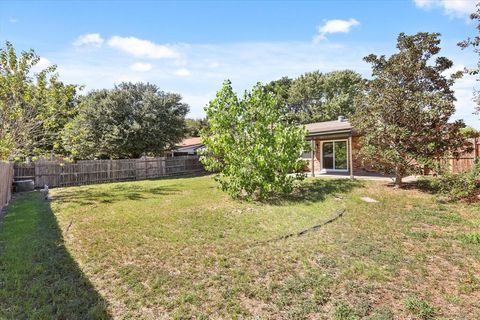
x=330, y=132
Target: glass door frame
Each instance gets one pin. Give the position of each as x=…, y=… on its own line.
x=348, y=155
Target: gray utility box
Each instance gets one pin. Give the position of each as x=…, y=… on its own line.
x=24, y=185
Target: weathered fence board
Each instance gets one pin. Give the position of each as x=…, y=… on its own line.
x=6, y=178
x=59, y=174
x=466, y=161
x=458, y=165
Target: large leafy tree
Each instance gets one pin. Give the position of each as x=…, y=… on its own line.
x=281, y=88
x=406, y=107
x=475, y=44
x=127, y=121
x=34, y=107
x=316, y=96
x=250, y=143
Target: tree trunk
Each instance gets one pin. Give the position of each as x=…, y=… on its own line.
x=398, y=177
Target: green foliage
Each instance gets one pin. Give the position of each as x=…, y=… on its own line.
x=344, y=312
x=473, y=238
x=404, y=113
x=316, y=96
x=469, y=132
x=194, y=126
x=34, y=107
x=127, y=121
x=251, y=143
x=281, y=88
x=457, y=186
x=57, y=104
x=420, y=308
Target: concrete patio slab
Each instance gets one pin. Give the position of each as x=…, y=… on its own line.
x=367, y=176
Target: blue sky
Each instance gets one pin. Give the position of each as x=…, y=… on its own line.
x=191, y=47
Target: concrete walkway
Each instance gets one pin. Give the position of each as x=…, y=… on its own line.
x=366, y=176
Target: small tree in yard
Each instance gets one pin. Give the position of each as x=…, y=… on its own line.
x=251, y=144
x=404, y=112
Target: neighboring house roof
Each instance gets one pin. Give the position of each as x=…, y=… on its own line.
x=189, y=144
x=341, y=125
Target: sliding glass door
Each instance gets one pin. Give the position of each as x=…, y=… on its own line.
x=334, y=155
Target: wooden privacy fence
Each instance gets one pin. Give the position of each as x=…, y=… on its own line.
x=61, y=174
x=466, y=161
x=6, y=178
x=462, y=164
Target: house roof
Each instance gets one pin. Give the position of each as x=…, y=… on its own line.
x=329, y=127
x=189, y=142
x=316, y=128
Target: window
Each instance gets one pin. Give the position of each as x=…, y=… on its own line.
x=334, y=155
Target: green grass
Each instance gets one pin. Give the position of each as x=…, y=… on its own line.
x=181, y=248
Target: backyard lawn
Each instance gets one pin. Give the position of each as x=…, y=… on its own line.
x=180, y=248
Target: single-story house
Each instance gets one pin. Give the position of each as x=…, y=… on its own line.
x=189, y=146
x=335, y=146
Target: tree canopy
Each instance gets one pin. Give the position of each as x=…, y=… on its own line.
x=194, y=126
x=34, y=107
x=128, y=121
x=405, y=110
x=317, y=96
x=250, y=143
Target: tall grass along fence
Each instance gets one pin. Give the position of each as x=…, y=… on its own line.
x=6, y=178
x=62, y=174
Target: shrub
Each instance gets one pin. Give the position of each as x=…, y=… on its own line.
x=457, y=186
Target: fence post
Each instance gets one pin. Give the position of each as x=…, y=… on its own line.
x=37, y=174
x=475, y=150
x=146, y=168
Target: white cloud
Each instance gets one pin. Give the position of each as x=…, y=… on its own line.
x=142, y=48
x=244, y=63
x=182, y=72
x=141, y=67
x=214, y=65
x=94, y=39
x=334, y=26
x=42, y=64
x=452, y=8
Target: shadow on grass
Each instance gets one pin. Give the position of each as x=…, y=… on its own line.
x=38, y=277
x=317, y=190
x=426, y=185
x=111, y=193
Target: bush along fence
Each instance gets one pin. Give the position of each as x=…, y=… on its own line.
x=62, y=174
x=6, y=178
